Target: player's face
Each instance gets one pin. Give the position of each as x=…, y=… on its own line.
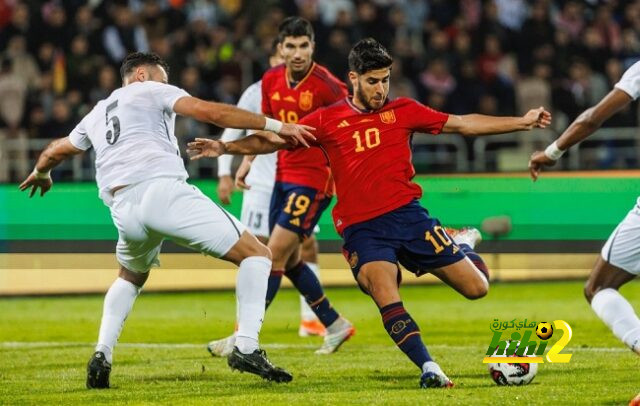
x=297, y=53
x=371, y=88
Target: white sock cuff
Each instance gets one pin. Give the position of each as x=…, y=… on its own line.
x=602, y=298
x=257, y=263
x=126, y=286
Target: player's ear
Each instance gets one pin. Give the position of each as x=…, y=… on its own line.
x=353, y=78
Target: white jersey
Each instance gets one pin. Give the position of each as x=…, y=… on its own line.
x=132, y=132
x=630, y=84
x=262, y=175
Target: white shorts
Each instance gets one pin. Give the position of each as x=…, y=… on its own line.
x=148, y=212
x=255, y=212
x=622, y=249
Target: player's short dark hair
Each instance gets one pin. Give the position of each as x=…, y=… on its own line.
x=367, y=55
x=295, y=27
x=136, y=59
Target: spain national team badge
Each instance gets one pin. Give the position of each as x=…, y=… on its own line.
x=353, y=259
x=388, y=117
x=306, y=100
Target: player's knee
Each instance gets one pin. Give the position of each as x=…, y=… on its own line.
x=590, y=290
x=477, y=290
x=261, y=250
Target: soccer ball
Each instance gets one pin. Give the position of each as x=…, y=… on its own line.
x=544, y=330
x=504, y=374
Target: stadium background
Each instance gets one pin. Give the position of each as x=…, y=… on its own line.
x=494, y=57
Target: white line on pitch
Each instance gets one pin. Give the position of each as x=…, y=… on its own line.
x=48, y=344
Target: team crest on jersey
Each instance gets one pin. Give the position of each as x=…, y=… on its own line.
x=353, y=259
x=388, y=117
x=306, y=100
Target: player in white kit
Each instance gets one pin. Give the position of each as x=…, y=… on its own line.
x=142, y=179
x=256, y=176
x=619, y=261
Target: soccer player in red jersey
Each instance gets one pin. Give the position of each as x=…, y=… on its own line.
x=304, y=186
x=367, y=139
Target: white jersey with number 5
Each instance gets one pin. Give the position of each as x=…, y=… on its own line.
x=132, y=132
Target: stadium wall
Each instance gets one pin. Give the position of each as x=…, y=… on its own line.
x=64, y=243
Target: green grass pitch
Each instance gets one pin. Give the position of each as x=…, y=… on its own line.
x=44, y=347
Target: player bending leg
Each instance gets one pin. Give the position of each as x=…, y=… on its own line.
x=304, y=186
x=619, y=260
x=367, y=139
x=142, y=179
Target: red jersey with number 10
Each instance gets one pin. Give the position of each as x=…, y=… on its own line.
x=370, y=155
x=319, y=88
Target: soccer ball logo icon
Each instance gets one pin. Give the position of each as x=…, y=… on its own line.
x=544, y=330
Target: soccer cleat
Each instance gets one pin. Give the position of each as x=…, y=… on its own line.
x=257, y=363
x=467, y=235
x=433, y=377
x=98, y=371
x=333, y=341
x=311, y=328
x=635, y=401
x=222, y=347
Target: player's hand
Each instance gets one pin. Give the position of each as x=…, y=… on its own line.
x=205, y=148
x=297, y=133
x=35, y=183
x=241, y=175
x=537, y=118
x=225, y=187
x=539, y=160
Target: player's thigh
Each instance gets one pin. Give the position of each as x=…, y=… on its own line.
x=380, y=280
x=181, y=212
x=464, y=277
x=622, y=249
x=255, y=212
x=138, y=248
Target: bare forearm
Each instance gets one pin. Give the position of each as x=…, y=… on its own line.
x=479, y=124
x=229, y=116
x=56, y=152
x=581, y=128
x=255, y=144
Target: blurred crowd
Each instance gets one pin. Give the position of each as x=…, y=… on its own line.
x=59, y=57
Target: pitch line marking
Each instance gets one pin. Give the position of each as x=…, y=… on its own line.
x=284, y=346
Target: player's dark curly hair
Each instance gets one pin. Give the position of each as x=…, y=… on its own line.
x=294, y=27
x=367, y=55
x=136, y=59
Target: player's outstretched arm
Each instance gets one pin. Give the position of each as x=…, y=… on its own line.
x=479, y=124
x=56, y=152
x=228, y=116
x=262, y=142
x=243, y=171
x=582, y=127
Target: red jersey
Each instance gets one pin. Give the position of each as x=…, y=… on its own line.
x=319, y=88
x=370, y=155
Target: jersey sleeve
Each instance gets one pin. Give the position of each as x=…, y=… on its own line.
x=79, y=137
x=338, y=90
x=630, y=81
x=167, y=95
x=421, y=118
x=266, y=106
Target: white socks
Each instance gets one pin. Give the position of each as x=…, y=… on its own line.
x=117, y=305
x=306, y=314
x=251, y=291
x=618, y=315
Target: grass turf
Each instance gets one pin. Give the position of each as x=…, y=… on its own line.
x=369, y=369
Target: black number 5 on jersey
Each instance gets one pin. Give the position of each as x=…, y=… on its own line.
x=112, y=136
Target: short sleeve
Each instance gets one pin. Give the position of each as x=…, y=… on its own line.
x=167, y=95
x=421, y=118
x=630, y=81
x=79, y=137
x=266, y=107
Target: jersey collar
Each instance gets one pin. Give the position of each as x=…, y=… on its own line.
x=287, y=76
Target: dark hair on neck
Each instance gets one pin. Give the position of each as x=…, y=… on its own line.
x=136, y=59
x=294, y=27
x=274, y=47
x=367, y=55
